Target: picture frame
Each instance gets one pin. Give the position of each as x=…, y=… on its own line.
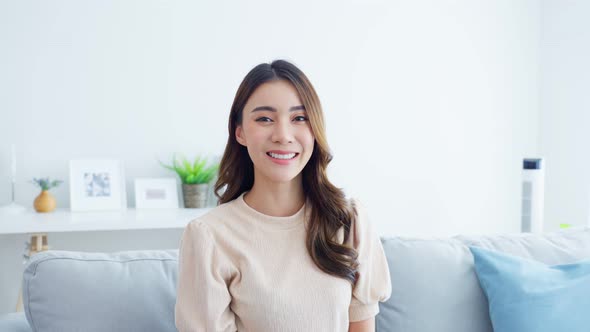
x=97, y=185
x=156, y=193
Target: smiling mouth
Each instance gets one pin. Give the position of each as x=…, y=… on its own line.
x=287, y=156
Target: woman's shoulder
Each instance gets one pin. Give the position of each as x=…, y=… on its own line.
x=214, y=215
x=357, y=207
x=361, y=221
x=216, y=219
x=358, y=220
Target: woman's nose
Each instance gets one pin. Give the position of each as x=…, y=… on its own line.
x=282, y=133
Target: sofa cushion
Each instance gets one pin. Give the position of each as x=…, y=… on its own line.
x=125, y=291
x=526, y=295
x=433, y=288
x=434, y=285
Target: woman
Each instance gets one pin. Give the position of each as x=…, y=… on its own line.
x=284, y=250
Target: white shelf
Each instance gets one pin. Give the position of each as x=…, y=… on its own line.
x=64, y=220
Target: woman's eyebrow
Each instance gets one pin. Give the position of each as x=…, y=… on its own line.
x=272, y=109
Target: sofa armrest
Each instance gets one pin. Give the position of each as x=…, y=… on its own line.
x=14, y=322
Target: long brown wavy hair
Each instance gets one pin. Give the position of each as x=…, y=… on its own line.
x=330, y=210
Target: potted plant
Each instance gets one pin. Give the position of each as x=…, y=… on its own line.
x=195, y=177
x=45, y=202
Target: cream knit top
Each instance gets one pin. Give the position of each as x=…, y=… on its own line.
x=241, y=270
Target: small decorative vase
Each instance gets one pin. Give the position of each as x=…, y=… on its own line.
x=45, y=202
x=195, y=195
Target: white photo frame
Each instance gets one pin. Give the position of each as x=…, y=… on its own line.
x=156, y=193
x=97, y=185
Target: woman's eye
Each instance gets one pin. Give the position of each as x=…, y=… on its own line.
x=263, y=119
x=300, y=118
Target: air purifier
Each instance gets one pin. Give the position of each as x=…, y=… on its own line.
x=533, y=188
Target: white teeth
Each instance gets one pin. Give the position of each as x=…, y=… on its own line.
x=282, y=156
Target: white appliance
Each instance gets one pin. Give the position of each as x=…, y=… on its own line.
x=533, y=195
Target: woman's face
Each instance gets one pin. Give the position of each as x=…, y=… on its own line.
x=276, y=131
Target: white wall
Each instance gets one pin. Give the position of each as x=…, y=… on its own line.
x=430, y=105
x=565, y=110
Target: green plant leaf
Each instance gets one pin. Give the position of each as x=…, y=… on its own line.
x=190, y=179
x=46, y=183
x=192, y=173
x=198, y=164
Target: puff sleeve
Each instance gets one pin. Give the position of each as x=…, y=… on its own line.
x=203, y=298
x=373, y=284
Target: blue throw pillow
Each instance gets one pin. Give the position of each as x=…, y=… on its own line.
x=529, y=296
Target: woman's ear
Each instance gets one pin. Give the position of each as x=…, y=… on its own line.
x=240, y=135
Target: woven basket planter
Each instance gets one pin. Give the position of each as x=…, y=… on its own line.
x=195, y=195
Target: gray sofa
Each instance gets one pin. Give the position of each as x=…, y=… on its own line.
x=434, y=286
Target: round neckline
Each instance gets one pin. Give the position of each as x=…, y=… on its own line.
x=272, y=222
